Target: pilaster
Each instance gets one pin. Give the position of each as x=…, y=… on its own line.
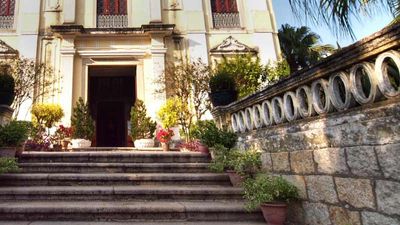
x=67, y=68
x=155, y=11
x=69, y=11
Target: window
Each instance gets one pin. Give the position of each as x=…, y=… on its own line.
x=112, y=13
x=225, y=13
x=7, y=14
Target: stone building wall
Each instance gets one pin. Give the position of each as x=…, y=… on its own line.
x=346, y=165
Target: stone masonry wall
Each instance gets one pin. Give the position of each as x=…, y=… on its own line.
x=346, y=164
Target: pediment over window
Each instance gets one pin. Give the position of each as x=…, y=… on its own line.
x=232, y=45
x=5, y=49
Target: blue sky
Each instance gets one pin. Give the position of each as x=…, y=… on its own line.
x=362, y=28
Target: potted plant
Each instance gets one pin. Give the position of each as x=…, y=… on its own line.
x=63, y=135
x=82, y=125
x=223, y=89
x=271, y=193
x=142, y=127
x=164, y=136
x=169, y=117
x=8, y=165
x=7, y=86
x=12, y=138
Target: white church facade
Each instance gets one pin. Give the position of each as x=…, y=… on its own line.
x=110, y=52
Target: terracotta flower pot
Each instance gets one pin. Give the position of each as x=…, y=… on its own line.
x=274, y=213
x=235, y=178
x=165, y=147
x=65, y=144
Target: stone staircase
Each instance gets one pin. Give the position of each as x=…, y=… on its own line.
x=120, y=187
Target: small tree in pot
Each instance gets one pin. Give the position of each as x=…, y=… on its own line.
x=271, y=193
x=142, y=127
x=82, y=125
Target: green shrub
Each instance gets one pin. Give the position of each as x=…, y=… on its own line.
x=224, y=158
x=248, y=163
x=81, y=121
x=264, y=189
x=46, y=115
x=7, y=85
x=8, y=165
x=168, y=113
x=222, y=81
x=247, y=71
x=141, y=125
x=14, y=134
x=209, y=134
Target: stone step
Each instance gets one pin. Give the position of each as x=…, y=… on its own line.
x=120, y=193
x=71, y=179
x=115, y=157
x=127, y=211
x=130, y=223
x=114, y=167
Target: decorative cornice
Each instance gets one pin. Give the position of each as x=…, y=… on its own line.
x=5, y=49
x=144, y=29
x=232, y=45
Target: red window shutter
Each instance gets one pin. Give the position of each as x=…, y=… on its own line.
x=218, y=6
x=106, y=7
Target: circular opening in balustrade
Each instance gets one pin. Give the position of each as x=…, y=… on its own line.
x=234, y=123
x=277, y=110
x=387, y=67
x=321, y=99
x=290, y=106
x=339, y=89
x=391, y=70
x=240, y=119
x=267, y=113
x=248, y=119
x=303, y=99
x=257, y=116
x=363, y=82
x=321, y=96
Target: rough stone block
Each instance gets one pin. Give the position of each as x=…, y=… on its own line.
x=373, y=218
x=388, y=197
x=356, y=192
x=302, y=162
x=342, y=216
x=280, y=162
x=362, y=161
x=389, y=158
x=321, y=188
x=316, y=213
x=299, y=182
x=331, y=161
x=295, y=213
x=266, y=161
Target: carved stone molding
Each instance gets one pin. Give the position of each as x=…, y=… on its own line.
x=232, y=45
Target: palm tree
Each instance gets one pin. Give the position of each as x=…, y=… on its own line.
x=336, y=13
x=300, y=47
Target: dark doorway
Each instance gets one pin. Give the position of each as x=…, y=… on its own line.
x=111, y=96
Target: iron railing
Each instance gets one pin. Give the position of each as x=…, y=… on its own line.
x=112, y=21
x=6, y=22
x=226, y=20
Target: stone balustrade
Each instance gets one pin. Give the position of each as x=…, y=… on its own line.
x=336, y=84
x=332, y=130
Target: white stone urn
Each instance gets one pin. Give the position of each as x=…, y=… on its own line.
x=144, y=143
x=81, y=143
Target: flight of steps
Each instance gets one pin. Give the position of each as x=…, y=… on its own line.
x=120, y=187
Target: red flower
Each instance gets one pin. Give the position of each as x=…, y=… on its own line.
x=165, y=135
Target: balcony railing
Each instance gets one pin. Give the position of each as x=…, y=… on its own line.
x=226, y=20
x=6, y=22
x=112, y=21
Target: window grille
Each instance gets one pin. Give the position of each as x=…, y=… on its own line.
x=7, y=8
x=112, y=13
x=225, y=14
